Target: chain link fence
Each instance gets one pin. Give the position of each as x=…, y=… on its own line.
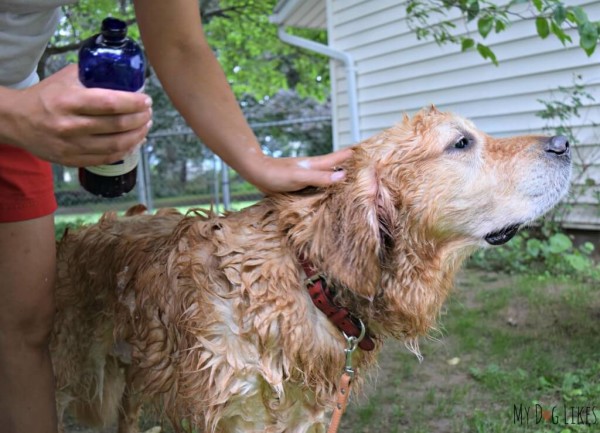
x=177, y=170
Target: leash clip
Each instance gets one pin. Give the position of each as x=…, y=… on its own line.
x=352, y=344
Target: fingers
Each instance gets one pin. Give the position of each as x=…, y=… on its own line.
x=102, y=102
x=102, y=149
x=114, y=124
x=329, y=161
x=322, y=179
x=292, y=174
x=75, y=98
x=319, y=170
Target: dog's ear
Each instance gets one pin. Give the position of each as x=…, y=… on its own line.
x=362, y=217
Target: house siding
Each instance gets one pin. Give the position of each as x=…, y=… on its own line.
x=397, y=73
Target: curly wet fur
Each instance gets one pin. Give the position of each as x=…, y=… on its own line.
x=206, y=318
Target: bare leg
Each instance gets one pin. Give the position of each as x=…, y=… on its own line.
x=27, y=272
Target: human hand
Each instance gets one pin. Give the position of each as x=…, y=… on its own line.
x=292, y=174
x=60, y=120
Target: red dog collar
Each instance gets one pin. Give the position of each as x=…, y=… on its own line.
x=322, y=297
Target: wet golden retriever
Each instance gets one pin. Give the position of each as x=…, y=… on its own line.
x=208, y=317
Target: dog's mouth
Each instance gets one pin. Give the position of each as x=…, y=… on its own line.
x=502, y=236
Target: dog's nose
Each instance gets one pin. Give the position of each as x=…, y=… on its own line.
x=559, y=145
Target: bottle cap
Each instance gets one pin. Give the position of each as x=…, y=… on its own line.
x=114, y=30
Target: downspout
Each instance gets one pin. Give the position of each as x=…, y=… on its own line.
x=342, y=56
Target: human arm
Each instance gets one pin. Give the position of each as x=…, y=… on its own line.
x=59, y=120
x=195, y=82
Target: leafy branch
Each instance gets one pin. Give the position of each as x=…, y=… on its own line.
x=429, y=19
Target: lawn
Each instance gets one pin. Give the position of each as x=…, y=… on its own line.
x=64, y=220
x=506, y=345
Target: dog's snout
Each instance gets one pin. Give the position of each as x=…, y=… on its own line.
x=559, y=145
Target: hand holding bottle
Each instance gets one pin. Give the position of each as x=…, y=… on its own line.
x=111, y=60
x=61, y=121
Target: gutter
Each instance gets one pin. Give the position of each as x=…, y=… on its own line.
x=281, y=14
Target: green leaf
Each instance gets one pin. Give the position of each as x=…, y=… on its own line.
x=467, y=43
x=577, y=262
x=588, y=37
x=542, y=27
x=544, y=382
x=588, y=248
x=579, y=15
x=500, y=26
x=472, y=10
x=534, y=247
x=559, y=33
x=538, y=5
x=487, y=53
x=560, y=14
x=559, y=243
x=485, y=25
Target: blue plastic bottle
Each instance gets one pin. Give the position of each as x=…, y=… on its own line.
x=111, y=60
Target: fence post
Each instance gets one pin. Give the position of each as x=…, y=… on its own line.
x=225, y=186
x=144, y=185
x=141, y=180
x=146, y=170
x=216, y=183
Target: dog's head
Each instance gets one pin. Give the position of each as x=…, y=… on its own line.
x=454, y=182
x=421, y=196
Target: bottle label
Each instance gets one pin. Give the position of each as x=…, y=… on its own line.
x=117, y=168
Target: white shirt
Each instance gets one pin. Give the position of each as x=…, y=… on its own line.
x=26, y=26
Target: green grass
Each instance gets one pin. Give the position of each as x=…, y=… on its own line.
x=520, y=341
x=75, y=219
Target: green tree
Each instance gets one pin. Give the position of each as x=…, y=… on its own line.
x=288, y=124
x=245, y=42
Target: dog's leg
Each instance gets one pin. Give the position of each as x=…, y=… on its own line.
x=129, y=413
x=62, y=401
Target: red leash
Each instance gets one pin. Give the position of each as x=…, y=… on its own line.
x=352, y=328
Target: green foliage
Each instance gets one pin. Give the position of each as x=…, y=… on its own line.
x=429, y=19
x=560, y=113
x=257, y=62
x=309, y=136
x=61, y=227
x=561, y=110
x=550, y=253
x=82, y=20
x=253, y=57
x=547, y=250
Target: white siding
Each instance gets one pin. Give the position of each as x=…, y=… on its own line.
x=305, y=13
x=397, y=73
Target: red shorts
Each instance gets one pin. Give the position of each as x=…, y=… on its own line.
x=26, y=186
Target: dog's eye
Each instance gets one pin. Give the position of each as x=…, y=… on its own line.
x=462, y=143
